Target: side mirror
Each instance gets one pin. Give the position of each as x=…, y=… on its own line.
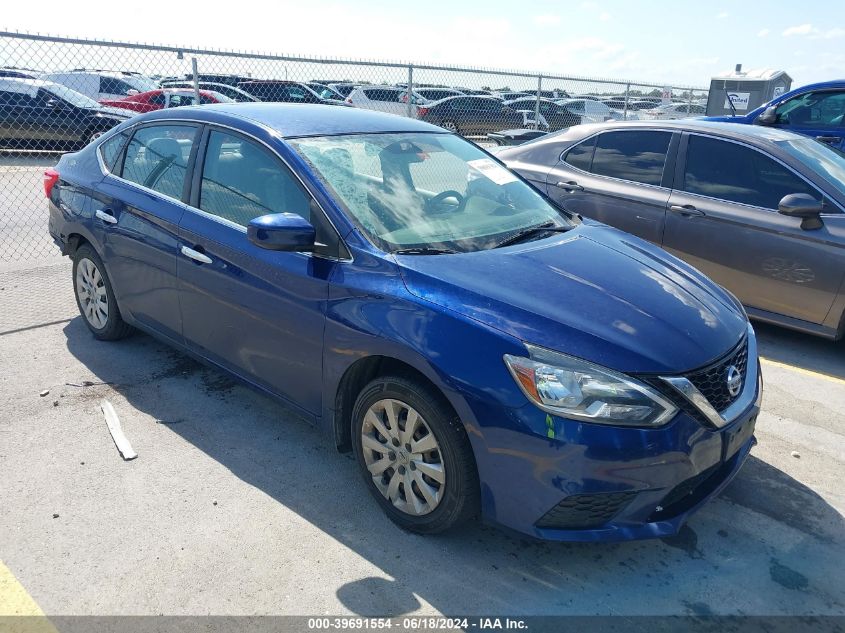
x=282, y=232
x=769, y=116
x=56, y=104
x=804, y=206
x=132, y=92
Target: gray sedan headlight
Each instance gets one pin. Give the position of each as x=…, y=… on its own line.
x=573, y=388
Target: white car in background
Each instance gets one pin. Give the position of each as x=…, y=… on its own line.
x=102, y=84
x=382, y=98
x=671, y=111
x=591, y=111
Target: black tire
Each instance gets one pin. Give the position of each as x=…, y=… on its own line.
x=451, y=126
x=460, y=498
x=114, y=327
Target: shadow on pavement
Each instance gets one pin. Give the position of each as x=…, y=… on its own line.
x=723, y=561
x=801, y=350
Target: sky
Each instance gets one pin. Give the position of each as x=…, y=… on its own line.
x=667, y=43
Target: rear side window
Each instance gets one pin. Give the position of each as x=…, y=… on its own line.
x=241, y=180
x=581, y=156
x=380, y=94
x=110, y=149
x=732, y=172
x=635, y=156
x=112, y=86
x=157, y=158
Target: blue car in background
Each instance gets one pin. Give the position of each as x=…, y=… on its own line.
x=817, y=110
x=478, y=348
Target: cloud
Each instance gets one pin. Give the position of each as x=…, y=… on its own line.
x=722, y=15
x=604, y=16
x=763, y=32
x=814, y=33
x=589, y=5
x=546, y=20
x=801, y=29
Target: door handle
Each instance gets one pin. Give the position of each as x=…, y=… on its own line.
x=829, y=139
x=570, y=186
x=196, y=255
x=106, y=216
x=686, y=210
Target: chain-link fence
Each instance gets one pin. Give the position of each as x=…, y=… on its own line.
x=57, y=94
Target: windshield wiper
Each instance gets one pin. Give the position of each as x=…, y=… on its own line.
x=532, y=230
x=424, y=250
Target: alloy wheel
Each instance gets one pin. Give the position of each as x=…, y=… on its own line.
x=91, y=290
x=403, y=457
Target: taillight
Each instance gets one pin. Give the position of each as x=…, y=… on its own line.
x=51, y=177
x=422, y=111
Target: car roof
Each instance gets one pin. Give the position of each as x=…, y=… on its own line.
x=291, y=120
x=23, y=84
x=721, y=128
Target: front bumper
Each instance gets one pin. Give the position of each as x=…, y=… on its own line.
x=588, y=482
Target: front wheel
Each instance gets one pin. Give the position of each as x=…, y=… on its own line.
x=414, y=455
x=451, y=126
x=95, y=297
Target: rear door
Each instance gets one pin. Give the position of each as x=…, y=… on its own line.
x=256, y=312
x=819, y=114
x=136, y=218
x=723, y=220
x=619, y=177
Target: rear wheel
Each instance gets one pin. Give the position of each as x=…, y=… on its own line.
x=414, y=455
x=95, y=297
x=451, y=126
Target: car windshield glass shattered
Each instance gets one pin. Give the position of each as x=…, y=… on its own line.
x=825, y=161
x=426, y=191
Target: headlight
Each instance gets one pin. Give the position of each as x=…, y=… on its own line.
x=573, y=388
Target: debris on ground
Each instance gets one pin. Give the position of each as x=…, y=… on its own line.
x=44, y=393
x=113, y=422
x=89, y=383
x=796, y=454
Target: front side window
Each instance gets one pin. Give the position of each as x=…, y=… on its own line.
x=733, y=172
x=242, y=180
x=636, y=156
x=112, y=86
x=816, y=109
x=157, y=158
x=426, y=190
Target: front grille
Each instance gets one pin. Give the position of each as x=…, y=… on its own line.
x=579, y=512
x=712, y=381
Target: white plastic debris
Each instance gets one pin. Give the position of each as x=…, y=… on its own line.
x=116, y=431
x=796, y=454
x=44, y=393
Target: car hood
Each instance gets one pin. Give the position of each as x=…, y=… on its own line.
x=595, y=292
x=109, y=111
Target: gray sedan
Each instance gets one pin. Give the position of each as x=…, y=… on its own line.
x=760, y=211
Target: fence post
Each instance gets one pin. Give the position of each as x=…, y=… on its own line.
x=196, y=79
x=689, y=103
x=410, y=103
x=627, y=94
x=537, y=103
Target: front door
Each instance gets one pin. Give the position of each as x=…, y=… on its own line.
x=723, y=220
x=256, y=312
x=819, y=114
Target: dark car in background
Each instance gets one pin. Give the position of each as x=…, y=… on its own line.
x=470, y=115
x=758, y=210
x=37, y=114
x=284, y=92
x=553, y=116
x=325, y=91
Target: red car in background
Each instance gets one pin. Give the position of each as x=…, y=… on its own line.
x=164, y=98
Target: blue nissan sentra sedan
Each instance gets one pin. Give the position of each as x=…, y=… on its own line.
x=481, y=350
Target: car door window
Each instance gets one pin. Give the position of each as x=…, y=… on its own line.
x=813, y=109
x=157, y=158
x=158, y=99
x=111, y=148
x=635, y=156
x=736, y=173
x=112, y=86
x=242, y=180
